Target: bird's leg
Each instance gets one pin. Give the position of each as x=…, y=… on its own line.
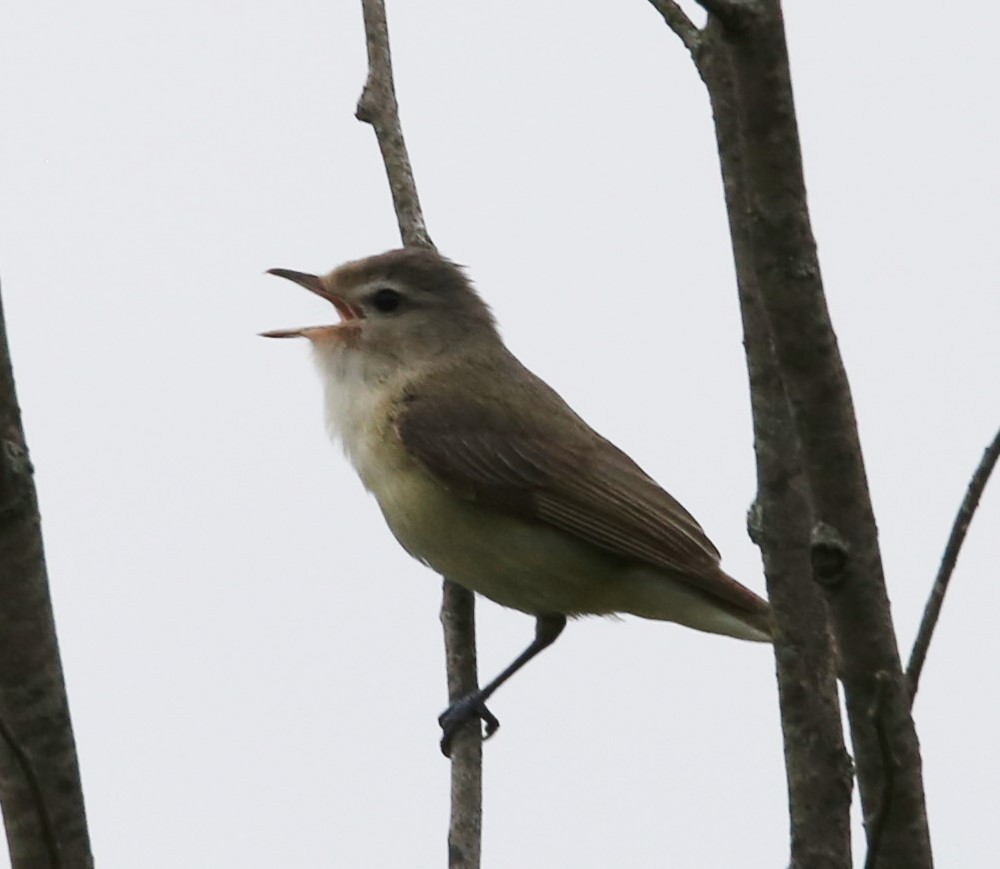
x=473, y=705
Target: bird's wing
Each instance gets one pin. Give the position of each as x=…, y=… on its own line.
x=549, y=466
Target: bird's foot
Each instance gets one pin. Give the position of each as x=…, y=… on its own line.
x=468, y=708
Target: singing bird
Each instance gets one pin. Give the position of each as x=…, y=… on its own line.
x=487, y=476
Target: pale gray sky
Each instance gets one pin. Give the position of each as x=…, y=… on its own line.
x=255, y=668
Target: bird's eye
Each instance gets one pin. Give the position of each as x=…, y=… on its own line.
x=386, y=300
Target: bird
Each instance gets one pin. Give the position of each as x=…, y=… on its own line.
x=487, y=476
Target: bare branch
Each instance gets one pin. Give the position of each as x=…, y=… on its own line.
x=38, y=794
x=781, y=261
x=458, y=618
x=786, y=267
x=40, y=788
x=678, y=21
x=818, y=769
x=958, y=531
x=378, y=107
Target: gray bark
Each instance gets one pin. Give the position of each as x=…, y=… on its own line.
x=40, y=788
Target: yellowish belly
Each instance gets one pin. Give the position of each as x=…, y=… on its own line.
x=517, y=563
x=527, y=565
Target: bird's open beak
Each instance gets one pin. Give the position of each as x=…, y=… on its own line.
x=314, y=284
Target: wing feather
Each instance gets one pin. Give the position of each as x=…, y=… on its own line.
x=529, y=454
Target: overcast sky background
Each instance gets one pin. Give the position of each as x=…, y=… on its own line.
x=255, y=667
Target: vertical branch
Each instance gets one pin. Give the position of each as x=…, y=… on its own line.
x=783, y=265
x=378, y=107
x=817, y=766
x=40, y=786
x=458, y=618
x=47, y=831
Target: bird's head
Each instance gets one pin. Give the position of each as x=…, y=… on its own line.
x=402, y=307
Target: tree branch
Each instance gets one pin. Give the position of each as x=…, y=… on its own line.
x=783, y=264
x=955, y=540
x=818, y=769
x=48, y=833
x=678, y=21
x=40, y=788
x=379, y=108
x=458, y=618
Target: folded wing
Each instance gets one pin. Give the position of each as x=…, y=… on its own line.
x=535, y=458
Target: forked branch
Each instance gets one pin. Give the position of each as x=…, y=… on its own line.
x=744, y=43
x=817, y=766
x=678, y=21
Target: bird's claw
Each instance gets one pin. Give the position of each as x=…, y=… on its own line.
x=468, y=708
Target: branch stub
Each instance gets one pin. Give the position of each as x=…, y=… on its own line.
x=829, y=553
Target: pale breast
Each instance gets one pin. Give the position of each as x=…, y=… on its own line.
x=357, y=403
x=520, y=564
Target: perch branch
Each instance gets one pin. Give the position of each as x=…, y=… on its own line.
x=958, y=531
x=458, y=618
x=379, y=108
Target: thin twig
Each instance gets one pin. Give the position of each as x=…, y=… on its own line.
x=378, y=107
x=958, y=531
x=678, y=21
x=31, y=777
